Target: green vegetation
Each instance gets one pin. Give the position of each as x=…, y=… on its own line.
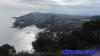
x=7, y=50
x=59, y=37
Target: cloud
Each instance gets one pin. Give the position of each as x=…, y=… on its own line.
x=24, y=3
x=16, y=3
x=24, y=38
x=73, y=2
x=77, y=2
x=38, y=3
x=53, y=6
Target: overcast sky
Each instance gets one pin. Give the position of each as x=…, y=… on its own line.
x=55, y=6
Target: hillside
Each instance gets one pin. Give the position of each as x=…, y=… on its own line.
x=43, y=20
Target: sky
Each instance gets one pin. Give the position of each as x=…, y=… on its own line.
x=52, y=6
x=15, y=8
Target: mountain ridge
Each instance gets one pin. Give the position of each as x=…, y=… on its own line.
x=38, y=19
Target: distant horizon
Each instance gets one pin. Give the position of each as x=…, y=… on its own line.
x=70, y=14
x=62, y=14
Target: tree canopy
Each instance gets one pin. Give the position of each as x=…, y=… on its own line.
x=58, y=38
x=7, y=50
